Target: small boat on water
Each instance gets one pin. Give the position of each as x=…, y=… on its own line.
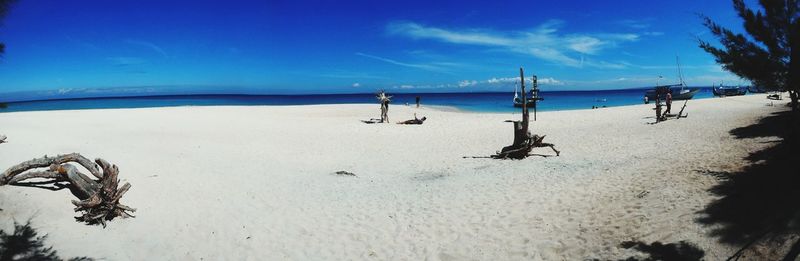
x=679, y=91
x=518, y=100
x=722, y=91
x=532, y=97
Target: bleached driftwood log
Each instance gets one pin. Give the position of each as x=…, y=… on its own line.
x=99, y=199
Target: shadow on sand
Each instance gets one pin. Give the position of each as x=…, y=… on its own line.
x=658, y=251
x=24, y=243
x=759, y=203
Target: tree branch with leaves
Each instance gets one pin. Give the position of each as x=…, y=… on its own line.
x=5, y=5
x=767, y=56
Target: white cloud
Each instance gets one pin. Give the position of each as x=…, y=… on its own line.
x=550, y=81
x=514, y=80
x=467, y=83
x=543, y=42
x=356, y=85
x=585, y=44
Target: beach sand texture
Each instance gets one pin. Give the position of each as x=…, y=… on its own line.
x=258, y=183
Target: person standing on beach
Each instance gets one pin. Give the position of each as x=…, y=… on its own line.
x=385, y=110
x=417, y=101
x=658, y=104
x=669, y=103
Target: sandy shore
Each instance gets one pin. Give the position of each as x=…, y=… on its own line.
x=257, y=183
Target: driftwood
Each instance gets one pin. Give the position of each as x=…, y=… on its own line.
x=98, y=198
x=2, y=138
x=522, y=148
x=384, y=99
x=524, y=142
x=345, y=173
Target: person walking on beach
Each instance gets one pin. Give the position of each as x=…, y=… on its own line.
x=417, y=101
x=669, y=103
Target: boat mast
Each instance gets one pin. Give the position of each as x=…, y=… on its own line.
x=680, y=73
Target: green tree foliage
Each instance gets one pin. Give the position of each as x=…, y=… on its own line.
x=769, y=57
x=5, y=5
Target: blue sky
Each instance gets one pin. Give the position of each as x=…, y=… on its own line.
x=356, y=46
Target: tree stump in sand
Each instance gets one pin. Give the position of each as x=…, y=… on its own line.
x=98, y=198
x=524, y=142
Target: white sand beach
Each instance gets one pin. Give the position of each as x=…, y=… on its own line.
x=258, y=182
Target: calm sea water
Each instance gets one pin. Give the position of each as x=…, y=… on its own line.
x=481, y=102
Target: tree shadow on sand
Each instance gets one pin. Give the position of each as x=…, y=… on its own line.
x=760, y=200
x=25, y=243
x=673, y=251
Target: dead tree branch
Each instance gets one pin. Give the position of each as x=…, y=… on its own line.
x=524, y=142
x=98, y=199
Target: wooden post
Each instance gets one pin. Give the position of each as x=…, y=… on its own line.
x=524, y=102
x=535, y=91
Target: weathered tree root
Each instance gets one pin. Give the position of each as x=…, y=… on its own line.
x=99, y=199
x=523, y=150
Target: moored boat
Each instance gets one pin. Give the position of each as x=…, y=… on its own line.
x=679, y=91
x=532, y=97
x=518, y=101
x=722, y=91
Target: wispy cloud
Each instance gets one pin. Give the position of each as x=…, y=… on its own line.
x=434, y=67
x=636, y=24
x=544, y=42
x=148, y=45
x=81, y=43
x=124, y=61
x=356, y=85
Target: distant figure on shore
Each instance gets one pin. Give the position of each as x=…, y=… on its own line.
x=385, y=115
x=669, y=103
x=417, y=101
x=415, y=121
